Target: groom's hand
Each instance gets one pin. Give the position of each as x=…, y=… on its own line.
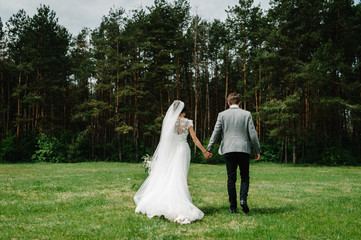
x=257, y=156
x=207, y=155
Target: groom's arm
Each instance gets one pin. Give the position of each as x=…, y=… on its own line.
x=253, y=135
x=215, y=135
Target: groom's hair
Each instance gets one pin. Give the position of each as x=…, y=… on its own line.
x=233, y=98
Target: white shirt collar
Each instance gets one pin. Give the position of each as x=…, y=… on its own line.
x=234, y=106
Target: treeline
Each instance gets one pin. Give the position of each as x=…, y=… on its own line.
x=101, y=95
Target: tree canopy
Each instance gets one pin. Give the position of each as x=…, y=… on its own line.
x=101, y=95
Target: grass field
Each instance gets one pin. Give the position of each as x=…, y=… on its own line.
x=95, y=201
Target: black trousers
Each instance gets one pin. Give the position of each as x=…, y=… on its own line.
x=233, y=160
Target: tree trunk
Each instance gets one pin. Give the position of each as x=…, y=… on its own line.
x=33, y=117
x=36, y=114
x=25, y=114
x=189, y=79
x=259, y=126
x=286, y=151
x=37, y=101
x=97, y=133
x=65, y=121
x=216, y=83
x=208, y=108
x=18, y=113
x=3, y=104
x=119, y=140
x=168, y=91
x=136, y=119
x=92, y=139
x=303, y=150
x=117, y=115
x=306, y=111
x=244, y=74
x=25, y=117
x=201, y=127
x=8, y=112
x=52, y=113
x=336, y=32
x=259, y=122
x=195, y=79
x=258, y=105
x=117, y=123
x=104, y=145
x=227, y=76
x=161, y=101
x=282, y=151
x=177, y=76
x=136, y=135
x=294, y=146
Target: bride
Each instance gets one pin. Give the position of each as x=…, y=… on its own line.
x=165, y=191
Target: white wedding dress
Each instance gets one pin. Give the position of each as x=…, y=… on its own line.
x=165, y=191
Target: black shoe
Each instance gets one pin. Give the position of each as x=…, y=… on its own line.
x=233, y=210
x=244, y=206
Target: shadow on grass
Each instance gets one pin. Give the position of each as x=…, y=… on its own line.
x=212, y=210
x=271, y=210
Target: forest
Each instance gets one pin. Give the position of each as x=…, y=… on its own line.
x=101, y=95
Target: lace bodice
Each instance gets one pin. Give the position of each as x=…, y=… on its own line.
x=182, y=125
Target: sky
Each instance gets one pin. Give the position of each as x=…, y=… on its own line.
x=77, y=14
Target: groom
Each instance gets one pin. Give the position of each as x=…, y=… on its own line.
x=236, y=127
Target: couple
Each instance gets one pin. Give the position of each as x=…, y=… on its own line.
x=165, y=191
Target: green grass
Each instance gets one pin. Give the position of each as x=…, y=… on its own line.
x=95, y=201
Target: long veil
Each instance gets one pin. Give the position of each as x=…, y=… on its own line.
x=162, y=156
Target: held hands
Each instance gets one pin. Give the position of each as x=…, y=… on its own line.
x=207, y=155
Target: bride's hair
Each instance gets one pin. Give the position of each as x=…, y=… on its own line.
x=176, y=104
x=184, y=110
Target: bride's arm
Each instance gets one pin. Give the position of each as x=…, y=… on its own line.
x=195, y=140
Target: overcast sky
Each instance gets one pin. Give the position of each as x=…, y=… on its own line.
x=76, y=14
